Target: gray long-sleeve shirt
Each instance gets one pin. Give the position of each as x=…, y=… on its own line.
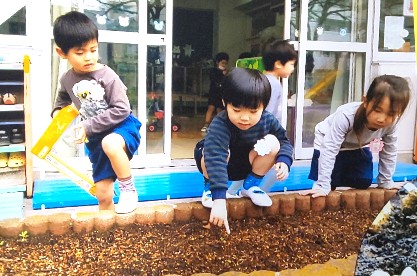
x=335, y=134
x=275, y=103
x=100, y=96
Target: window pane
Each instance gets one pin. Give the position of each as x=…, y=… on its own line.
x=295, y=20
x=155, y=88
x=328, y=85
x=120, y=15
x=15, y=24
x=156, y=16
x=334, y=20
x=123, y=59
x=396, y=27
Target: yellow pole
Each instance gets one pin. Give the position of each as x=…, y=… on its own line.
x=415, y=25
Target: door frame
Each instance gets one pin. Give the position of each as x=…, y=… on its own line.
x=305, y=45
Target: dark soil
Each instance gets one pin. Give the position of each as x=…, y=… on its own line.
x=271, y=243
x=392, y=246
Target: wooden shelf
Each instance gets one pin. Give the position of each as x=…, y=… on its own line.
x=15, y=79
x=11, y=83
x=13, y=148
x=11, y=107
x=12, y=122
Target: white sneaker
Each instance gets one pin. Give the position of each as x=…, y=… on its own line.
x=229, y=195
x=257, y=196
x=128, y=201
x=206, y=199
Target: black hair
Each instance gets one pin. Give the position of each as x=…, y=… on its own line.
x=221, y=56
x=278, y=50
x=247, y=88
x=394, y=87
x=246, y=55
x=73, y=29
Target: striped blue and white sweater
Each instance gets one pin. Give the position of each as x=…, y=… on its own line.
x=222, y=135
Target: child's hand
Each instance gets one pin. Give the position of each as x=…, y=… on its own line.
x=392, y=185
x=218, y=215
x=313, y=192
x=80, y=134
x=55, y=113
x=282, y=171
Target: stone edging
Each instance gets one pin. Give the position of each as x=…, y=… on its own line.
x=285, y=204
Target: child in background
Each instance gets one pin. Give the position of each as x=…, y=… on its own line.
x=112, y=132
x=217, y=75
x=243, y=142
x=279, y=60
x=345, y=140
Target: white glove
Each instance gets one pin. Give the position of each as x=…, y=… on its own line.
x=218, y=215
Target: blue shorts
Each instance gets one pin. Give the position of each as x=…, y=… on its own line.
x=129, y=130
x=352, y=168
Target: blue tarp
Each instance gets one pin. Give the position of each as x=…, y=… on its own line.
x=57, y=193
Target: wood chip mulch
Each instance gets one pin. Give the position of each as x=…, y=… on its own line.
x=270, y=243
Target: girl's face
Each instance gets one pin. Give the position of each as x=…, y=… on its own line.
x=379, y=116
x=82, y=59
x=244, y=118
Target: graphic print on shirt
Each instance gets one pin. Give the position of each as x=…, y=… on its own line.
x=376, y=145
x=91, y=95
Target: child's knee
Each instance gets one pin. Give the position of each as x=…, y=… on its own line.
x=111, y=143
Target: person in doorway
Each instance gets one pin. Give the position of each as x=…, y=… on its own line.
x=345, y=140
x=108, y=127
x=217, y=75
x=242, y=142
x=279, y=60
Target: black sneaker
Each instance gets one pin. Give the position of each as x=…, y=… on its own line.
x=17, y=136
x=4, y=137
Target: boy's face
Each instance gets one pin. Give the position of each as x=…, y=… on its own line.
x=82, y=59
x=284, y=71
x=222, y=65
x=244, y=118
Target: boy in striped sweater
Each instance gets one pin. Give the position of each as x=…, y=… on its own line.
x=243, y=142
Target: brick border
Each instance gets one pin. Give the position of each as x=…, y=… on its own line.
x=285, y=204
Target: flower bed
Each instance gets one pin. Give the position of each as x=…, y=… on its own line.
x=294, y=232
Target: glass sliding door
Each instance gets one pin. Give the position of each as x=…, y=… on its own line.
x=334, y=62
x=134, y=42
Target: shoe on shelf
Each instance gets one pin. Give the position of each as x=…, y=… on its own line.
x=4, y=157
x=4, y=137
x=206, y=199
x=128, y=202
x=258, y=197
x=17, y=135
x=9, y=98
x=16, y=159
